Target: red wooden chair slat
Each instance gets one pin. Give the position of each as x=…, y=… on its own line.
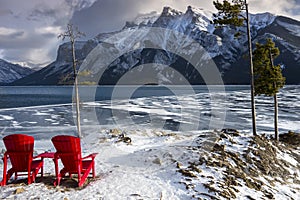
x=20, y=153
x=68, y=150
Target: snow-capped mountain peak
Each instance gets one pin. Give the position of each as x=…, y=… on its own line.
x=168, y=11
x=261, y=20
x=10, y=72
x=148, y=18
x=226, y=50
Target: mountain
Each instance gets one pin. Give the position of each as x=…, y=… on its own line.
x=218, y=44
x=10, y=72
x=59, y=71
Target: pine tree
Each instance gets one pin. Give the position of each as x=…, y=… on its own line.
x=230, y=13
x=73, y=33
x=268, y=78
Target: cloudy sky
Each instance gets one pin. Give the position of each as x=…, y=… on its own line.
x=29, y=28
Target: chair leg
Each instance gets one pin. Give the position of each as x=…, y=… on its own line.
x=63, y=173
x=33, y=175
x=93, y=169
x=4, y=179
x=42, y=168
x=80, y=179
x=57, y=174
x=29, y=181
x=6, y=176
x=85, y=175
x=10, y=172
x=16, y=175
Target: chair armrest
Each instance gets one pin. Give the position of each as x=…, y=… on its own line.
x=58, y=155
x=93, y=155
x=45, y=155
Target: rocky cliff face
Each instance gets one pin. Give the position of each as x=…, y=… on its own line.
x=227, y=51
x=60, y=71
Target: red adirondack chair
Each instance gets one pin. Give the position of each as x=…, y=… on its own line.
x=20, y=153
x=68, y=150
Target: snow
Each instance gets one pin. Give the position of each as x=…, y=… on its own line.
x=148, y=18
x=5, y=117
x=286, y=157
x=10, y=72
x=261, y=20
x=293, y=28
x=146, y=168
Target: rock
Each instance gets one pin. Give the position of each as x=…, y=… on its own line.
x=115, y=132
x=135, y=195
x=123, y=138
x=157, y=161
x=254, y=183
x=291, y=138
x=19, y=190
x=230, y=131
x=194, y=168
x=187, y=173
x=250, y=198
x=222, y=135
x=219, y=148
x=127, y=140
x=268, y=194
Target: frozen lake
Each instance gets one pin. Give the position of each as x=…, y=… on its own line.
x=46, y=111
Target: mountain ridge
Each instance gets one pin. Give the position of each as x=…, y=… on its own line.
x=225, y=50
x=10, y=72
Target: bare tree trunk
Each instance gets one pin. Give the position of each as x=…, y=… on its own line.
x=275, y=102
x=77, y=102
x=251, y=71
x=73, y=33
x=276, y=117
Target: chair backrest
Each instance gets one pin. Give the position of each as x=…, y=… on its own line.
x=69, y=150
x=20, y=150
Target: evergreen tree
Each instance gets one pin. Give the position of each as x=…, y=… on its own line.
x=268, y=78
x=230, y=13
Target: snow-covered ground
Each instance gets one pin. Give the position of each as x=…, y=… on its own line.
x=165, y=160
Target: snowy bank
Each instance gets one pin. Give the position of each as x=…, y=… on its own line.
x=154, y=164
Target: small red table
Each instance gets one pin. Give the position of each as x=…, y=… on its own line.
x=45, y=155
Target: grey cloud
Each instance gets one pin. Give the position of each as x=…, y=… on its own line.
x=79, y=4
x=48, y=35
x=290, y=8
x=296, y=9
x=31, y=45
x=11, y=40
x=4, y=12
x=92, y=17
x=14, y=40
x=24, y=57
x=16, y=35
x=105, y=16
x=42, y=13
